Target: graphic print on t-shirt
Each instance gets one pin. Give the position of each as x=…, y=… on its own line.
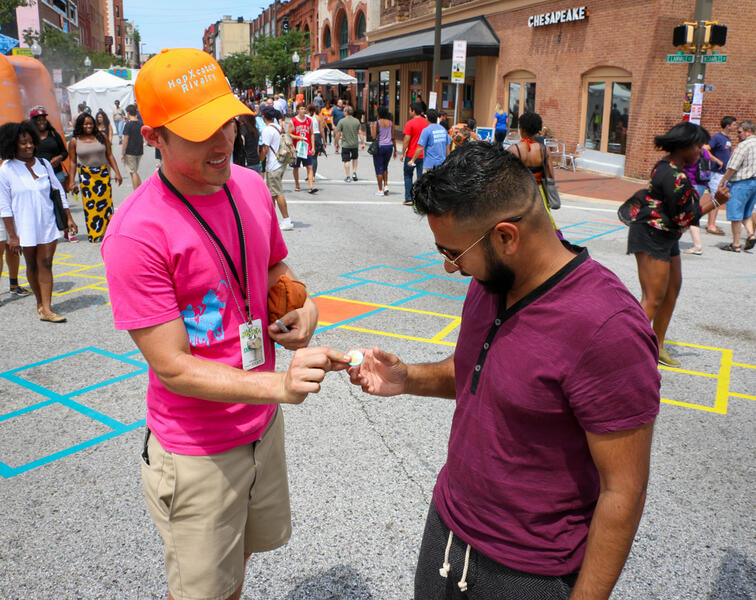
x=205, y=318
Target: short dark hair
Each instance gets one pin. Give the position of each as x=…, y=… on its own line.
x=82, y=106
x=79, y=127
x=472, y=124
x=727, y=121
x=432, y=115
x=681, y=136
x=383, y=113
x=477, y=180
x=269, y=113
x=302, y=104
x=131, y=109
x=9, y=134
x=530, y=123
x=417, y=108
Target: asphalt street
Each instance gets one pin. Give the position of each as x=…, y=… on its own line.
x=361, y=469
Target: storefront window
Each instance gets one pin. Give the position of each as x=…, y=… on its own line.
x=514, y=105
x=397, y=95
x=619, y=117
x=529, y=91
x=520, y=89
x=415, y=88
x=467, y=102
x=594, y=115
x=379, y=94
x=448, y=92
x=606, y=109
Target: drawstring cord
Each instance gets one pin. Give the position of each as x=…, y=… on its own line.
x=462, y=583
x=444, y=571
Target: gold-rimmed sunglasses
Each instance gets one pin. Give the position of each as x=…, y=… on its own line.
x=453, y=258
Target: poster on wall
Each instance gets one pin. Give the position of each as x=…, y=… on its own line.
x=432, y=99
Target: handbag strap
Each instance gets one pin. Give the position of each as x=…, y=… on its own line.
x=546, y=165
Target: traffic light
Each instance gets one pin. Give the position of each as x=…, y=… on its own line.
x=715, y=34
x=683, y=35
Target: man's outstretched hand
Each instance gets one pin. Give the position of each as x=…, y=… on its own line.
x=380, y=374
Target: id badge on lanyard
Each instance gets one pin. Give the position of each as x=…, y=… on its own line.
x=252, y=345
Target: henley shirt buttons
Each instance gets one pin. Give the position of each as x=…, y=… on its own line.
x=477, y=367
x=497, y=322
x=486, y=346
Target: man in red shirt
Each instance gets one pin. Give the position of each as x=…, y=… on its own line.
x=412, y=131
x=301, y=131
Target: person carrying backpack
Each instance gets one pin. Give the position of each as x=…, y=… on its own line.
x=274, y=150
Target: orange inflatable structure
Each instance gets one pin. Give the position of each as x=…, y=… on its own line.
x=25, y=82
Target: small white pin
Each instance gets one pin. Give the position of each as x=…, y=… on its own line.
x=355, y=358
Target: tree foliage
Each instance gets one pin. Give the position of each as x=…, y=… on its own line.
x=8, y=9
x=270, y=60
x=61, y=50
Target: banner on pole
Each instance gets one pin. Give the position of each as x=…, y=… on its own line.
x=696, y=106
x=459, y=58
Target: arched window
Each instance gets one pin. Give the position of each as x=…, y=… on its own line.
x=606, y=109
x=519, y=90
x=307, y=36
x=360, y=29
x=327, y=37
x=343, y=37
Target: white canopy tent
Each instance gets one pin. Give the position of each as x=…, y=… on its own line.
x=100, y=90
x=327, y=77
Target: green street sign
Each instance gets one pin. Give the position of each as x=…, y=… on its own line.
x=714, y=58
x=680, y=58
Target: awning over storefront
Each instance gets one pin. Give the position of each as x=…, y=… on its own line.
x=413, y=47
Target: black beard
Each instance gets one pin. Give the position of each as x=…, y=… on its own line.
x=500, y=278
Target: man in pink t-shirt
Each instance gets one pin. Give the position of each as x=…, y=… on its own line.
x=412, y=131
x=190, y=257
x=556, y=388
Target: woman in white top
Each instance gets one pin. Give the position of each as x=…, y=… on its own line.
x=27, y=210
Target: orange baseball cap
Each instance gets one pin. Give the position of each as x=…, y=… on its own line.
x=185, y=90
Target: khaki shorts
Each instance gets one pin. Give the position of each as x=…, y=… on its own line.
x=211, y=510
x=132, y=162
x=274, y=179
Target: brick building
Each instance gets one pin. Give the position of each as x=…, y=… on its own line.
x=597, y=75
x=115, y=28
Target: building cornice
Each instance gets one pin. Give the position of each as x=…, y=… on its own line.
x=476, y=8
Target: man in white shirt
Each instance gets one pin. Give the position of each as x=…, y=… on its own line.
x=270, y=142
x=280, y=105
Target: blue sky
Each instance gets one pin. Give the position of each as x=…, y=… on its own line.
x=181, y=23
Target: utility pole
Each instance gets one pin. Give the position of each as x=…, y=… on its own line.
x=437, y=44
x=697, y=69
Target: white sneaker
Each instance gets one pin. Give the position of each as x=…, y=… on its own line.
x=287, y=225
x=385, y=189
x=379, y=193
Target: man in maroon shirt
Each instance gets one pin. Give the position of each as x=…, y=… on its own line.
x=556, y=389
x=412, y=131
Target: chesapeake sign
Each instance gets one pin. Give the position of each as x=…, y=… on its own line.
x=559, y=16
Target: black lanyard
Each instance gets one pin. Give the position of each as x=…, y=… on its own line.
x=214, y=236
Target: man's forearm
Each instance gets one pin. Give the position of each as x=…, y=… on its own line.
x=432, y=379
x=418, y=152
x=219, y=382
x=610, y=537
x=726, y=177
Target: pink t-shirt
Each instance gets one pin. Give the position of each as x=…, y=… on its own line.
x=162, y=266
x=577, y=354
